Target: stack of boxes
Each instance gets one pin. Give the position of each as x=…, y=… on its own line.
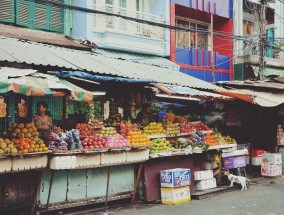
x=204, y=180
x=175, y=186
x=256, y=157
x=271, y=164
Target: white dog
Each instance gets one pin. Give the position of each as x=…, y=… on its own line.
x=238, y=179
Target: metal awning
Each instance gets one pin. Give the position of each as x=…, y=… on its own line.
x=186, y=93
x=32, y=53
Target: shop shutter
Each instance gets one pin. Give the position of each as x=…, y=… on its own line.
x=7, y=13
x=23, y=13
x=41, y=17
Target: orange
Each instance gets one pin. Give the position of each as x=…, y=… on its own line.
x=25, y=151
x=40, y=150
x=36, y=150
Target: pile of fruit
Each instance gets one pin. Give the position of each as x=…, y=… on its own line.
x=22, y=130
x=178, y=144
x=229, y=140
x=186, y=128
x=127, y=127
x=93, y=142
x=197, y=138
x=85, y=129
x=57, y=130
x=114, y=120
x=210, y=140
x=169, y=117
x=137, y=139
x=181, y=119
x=172, y=128
x=160, y=145
x=107, y=132
x=218, y=136
x=154, y=128
x=201, y=127
x=7, y=147
x=95, y=124
x=117, y=142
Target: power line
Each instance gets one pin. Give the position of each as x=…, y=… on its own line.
x=162, y=25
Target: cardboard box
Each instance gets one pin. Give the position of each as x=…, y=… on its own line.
x=256, y=161
x=257, y=152
x=271, y=159
x=202, y=175
x=172, y=196
x=234, y=162
x=63, y=162
x=209, y=165
x=206, y=184
x=271, y=170
x=175, y=177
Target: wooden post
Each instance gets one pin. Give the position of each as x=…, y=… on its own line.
x=37, y=192
x=108, y=177
x=136, y=182
x=49, y=191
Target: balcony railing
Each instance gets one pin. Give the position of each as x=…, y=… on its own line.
x=269, y=53
x=104, y=23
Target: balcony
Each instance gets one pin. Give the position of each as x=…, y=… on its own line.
x=118, y=33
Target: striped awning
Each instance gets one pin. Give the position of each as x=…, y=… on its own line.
x=38, y=86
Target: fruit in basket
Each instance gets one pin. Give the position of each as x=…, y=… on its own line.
x=117, y=142
x=85, y=129
x=172, y=128
x=93, y=142
x=107, y=132
x=186, y=128
x=160, y=145
x=137, y=139
x=169, y=117
x=57, y=130
x=22, y=130
x=201, y=127
x=218, y=136
x=229, y=140
x=95, y=124
x=154, y=128
x=127, y=127
x=210, y=140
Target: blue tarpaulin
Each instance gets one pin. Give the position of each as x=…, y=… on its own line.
x=92, y=77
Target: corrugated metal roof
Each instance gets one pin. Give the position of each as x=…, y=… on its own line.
x=140, y=58
x=254, y=84
x=39, y=36
x=13, y=50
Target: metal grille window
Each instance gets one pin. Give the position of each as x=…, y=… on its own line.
x=109, y=2
x=193, y=39
x=122, y=3
x=113, y=107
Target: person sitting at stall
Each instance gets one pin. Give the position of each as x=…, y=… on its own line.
x=42, y=120
x=145, y=116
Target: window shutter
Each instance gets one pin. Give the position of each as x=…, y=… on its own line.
x=41, y=17
x=23, y=13
x=7, y=11
x=56, y=20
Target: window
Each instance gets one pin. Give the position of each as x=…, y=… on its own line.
x=122, y=3
x=191, y=39
x=109, y=2
x=32, y=15
x=113, y=107
x=248, y=28
x=137, y=5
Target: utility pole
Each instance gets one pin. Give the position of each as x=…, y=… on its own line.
x=212, y=53
x=263, y=39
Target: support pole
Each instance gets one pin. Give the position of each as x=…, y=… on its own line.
x=212, y=41
x=263, y=39
x=108, y=177
x=136, y=182
x=49, y=191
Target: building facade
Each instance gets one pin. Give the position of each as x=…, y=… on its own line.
x=193, y=50
x=247, y=21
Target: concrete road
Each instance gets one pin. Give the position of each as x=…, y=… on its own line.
x=264, y=197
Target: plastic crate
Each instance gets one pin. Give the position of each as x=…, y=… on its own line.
x=5, y=164
x=29, y=162
x=137, y=155
x=88, y=160
x=63, y=162
x=173, y=196
x=113, y=157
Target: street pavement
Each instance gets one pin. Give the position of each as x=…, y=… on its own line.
x=265, y=196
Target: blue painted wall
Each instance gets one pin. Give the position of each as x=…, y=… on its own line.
x=224, y=8
x=206, y=75
x=222, y=62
